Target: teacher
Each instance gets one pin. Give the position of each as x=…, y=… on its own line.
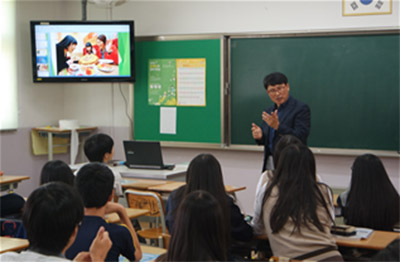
x=286, y=116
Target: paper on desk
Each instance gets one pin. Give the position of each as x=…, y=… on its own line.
x=168, y=120
x=146, y=257
x=361, y=233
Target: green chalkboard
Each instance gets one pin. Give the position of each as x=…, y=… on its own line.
x=198, y=124
x=351, y=84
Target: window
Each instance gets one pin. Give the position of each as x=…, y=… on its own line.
x=8, y=83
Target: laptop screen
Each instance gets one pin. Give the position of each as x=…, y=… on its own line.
x=143, y=153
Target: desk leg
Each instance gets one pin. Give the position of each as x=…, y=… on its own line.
x=81, y=148
x=50, y=145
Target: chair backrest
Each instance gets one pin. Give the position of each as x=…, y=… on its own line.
x=148, y=200
x=166, y=240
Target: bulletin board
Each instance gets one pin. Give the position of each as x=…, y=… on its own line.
x=194, y=123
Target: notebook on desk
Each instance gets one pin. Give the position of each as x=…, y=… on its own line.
x=144, y=155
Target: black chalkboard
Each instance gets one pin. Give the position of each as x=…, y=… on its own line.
x=350, y=82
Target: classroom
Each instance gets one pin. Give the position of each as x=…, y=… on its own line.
x=103, y=104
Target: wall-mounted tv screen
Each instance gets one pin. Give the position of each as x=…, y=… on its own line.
x=83, y=51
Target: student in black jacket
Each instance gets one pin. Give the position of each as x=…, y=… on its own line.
x=204, y=173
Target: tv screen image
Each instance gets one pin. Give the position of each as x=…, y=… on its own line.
x=79, y=51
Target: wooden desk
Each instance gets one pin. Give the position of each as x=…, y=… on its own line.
x=169, y=187
x=132, y=213
x=11, y=182
x=50, y=131
x=12, y=244
x=141, y=184
x=177, y=174
x=378, y=240
x=153, y=250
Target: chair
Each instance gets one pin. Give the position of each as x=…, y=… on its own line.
x=151, y=201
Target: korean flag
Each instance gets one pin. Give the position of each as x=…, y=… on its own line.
x=367, y=7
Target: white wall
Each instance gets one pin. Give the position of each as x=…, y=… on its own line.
x=103, y=105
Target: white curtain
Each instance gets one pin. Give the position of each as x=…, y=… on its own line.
x=8, y=84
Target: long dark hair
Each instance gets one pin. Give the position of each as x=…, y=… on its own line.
x=299, y=193
x=373, y=201
x=283, y=142
x=67, y=41
x=201, y=233
x=204, y=173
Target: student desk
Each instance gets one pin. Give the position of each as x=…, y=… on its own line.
x=11, y=182
x=169, y=187
x=50, y=131
x=153, y=250
x=177, y=174
x=16, y=244
x=378, y=240
x=12, y=244
x=141, y=184
x=132, y=213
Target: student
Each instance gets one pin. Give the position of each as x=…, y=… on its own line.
x=100, y=148
x=298, y=211
x=94, y=182
x=57, y=170
x=257, y=221
x=201, y=234
x=204, y=173
x=11, y=204
x=51, y=218
x=372, y=201
x=390, y=253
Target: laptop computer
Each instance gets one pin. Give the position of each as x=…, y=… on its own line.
x=144, y=155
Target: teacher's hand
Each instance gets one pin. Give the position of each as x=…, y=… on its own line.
x=271, y=119
x=256, y=131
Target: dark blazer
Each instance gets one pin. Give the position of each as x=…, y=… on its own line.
x=294, y=119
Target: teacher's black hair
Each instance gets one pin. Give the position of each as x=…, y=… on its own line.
x=275, y=78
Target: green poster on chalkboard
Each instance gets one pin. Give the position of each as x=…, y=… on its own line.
x=162, y=82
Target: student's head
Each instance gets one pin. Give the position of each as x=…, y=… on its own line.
x=204, y=173
x=368, y=170
x=372, y=201
x=95, y=182
x=201, y=234
x=101, y=41
x=296, y=163
x=277, y=87
x=51, y=216
x=56, y=170
x=283, y=142
x=99, y=148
